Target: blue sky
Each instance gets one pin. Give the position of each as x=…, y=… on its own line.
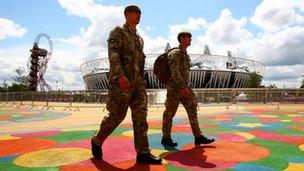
x=49, y=17
x=269, y=31
x=39, y=16
x=161, y=13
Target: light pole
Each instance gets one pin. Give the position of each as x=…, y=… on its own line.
x=56, y=85
x=302, y=86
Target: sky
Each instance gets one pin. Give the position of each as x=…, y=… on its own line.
x=268, y=31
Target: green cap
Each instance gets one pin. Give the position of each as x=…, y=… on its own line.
x=132, y=8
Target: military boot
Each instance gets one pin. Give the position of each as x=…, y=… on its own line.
x=168, y=142
x=203, y=140
x=148, y=158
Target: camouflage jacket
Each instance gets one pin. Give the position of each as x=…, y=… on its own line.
x=126, y=56
x=179, y=63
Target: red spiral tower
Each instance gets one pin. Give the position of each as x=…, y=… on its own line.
x=38, y=64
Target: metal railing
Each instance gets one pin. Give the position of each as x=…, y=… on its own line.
x=205, y=97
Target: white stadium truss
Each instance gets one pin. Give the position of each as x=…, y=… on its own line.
x=207, y=71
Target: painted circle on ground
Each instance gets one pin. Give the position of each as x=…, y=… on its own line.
x=232, y=151
x=218, y=155
x=23, y=145
x=194, y=159
x=53, y=157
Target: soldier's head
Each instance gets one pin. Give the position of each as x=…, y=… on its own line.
x=184, y=38
x=132, y=14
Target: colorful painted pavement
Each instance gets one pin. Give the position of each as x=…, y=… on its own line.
x=258, y=139
x=9, y=115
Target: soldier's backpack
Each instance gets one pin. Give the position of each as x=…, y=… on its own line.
x=161, y=67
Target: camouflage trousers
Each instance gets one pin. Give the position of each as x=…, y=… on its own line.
x=172, y=103
x=117, y=105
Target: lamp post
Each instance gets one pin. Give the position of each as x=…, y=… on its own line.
x=302, y=86
x=56, y=85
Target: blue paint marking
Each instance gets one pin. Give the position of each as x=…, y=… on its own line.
x=252, y=167
x=7, y=158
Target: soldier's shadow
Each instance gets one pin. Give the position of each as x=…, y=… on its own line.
x=104, y=166
x=191, y=157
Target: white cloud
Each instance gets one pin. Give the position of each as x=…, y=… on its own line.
x=281, y=48
x=152, y=45
x=288, y=76
x=12, y=59
x=273, y=15
x=193, y=24
x=149, y=28
x=64, y=66
x=227, y=30
x=284, y=72
x=103, y=19
x=158, y=44
x=9, y=28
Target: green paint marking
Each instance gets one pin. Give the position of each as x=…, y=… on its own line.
x=279, y=153
x=171, y=167
x=288, y=131
x=219, y=130
x=118, y=131
x=71, y=136
x=10, y=166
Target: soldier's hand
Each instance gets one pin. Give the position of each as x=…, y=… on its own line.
x=185, y=92
x=124, y=84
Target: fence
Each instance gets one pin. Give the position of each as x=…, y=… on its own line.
x=205, y=97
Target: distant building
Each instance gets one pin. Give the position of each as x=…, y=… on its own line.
x=207, y=71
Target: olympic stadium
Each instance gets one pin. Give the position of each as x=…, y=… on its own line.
x=207, y=71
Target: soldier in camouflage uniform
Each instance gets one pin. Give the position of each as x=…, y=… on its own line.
x=178, y=90
x=126, y=87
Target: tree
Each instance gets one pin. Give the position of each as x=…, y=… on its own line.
x=2, y=89
x=20, y=81
x=17, y=87
x=254, y=81
x=21, y=78
x=4, y=86
x=302, y=86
